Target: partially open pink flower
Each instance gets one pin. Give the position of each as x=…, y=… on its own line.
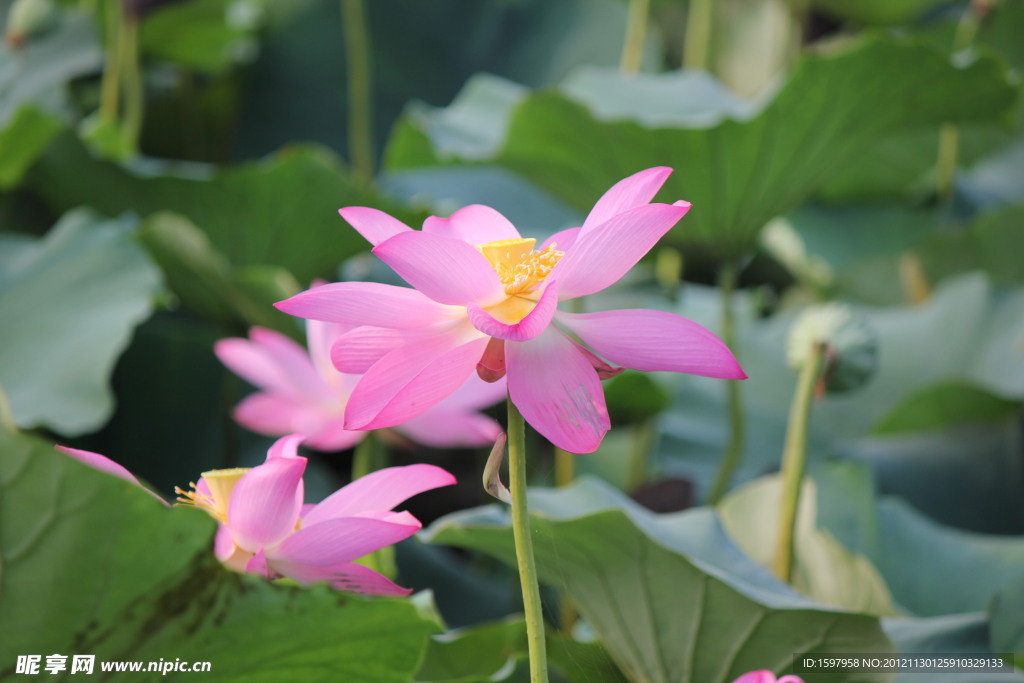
x=485, y=298
x=302, y=393
x=266, y=529
x=765, y=676
x=105, y=464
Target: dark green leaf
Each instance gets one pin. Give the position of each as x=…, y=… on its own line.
x=941, y=405
x=23, y=139
x=993, y=243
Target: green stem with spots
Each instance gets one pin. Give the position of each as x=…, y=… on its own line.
x=360, y=101
x=728, y=277
x=794, y=461
x=524, y=546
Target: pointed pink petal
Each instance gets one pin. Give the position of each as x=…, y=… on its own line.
x=376, y=226
x=447, y=270
x=285, y=447
x=272, y=362
x=535, y=322
x=557, y=391
x=604, y=254
x=475, y=394
x=337, y=540
x=475, y=224
x=380, y=490
x=411, y=379
x=265, y=503
x=440, y=428
x=275, y=415
x=346, y=576
x=491, y=366
x=105, y=464
x=334, y=437
x=654, y=340
x=604, y=370
x=355, y=352
x=561, y=240
x=762, y=676
x=636, y=190
x=294, y=364
x=367, y=303
x=320, y=337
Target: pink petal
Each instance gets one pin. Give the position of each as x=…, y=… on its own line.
x=636, y=190
x=447, y=270
x=223, y=544
x=411, y=379
x=275, y=415
x=604, y=254
x=439, y=428
x=346, y=576
x=105, y=464
x=293, y=362
x=557, y=391
x=380, y=490
x=368, y=303
x=762, y=676
x=790, y=679
x=285, y=447
x=475, y=394
x=535, y=322
x=355, y=352
x=376, y=226
x=320, y=337
x=265, y=503
x=334, y=437
x=475, y=224
x=491, y=366
x=654, y=340
x=561, y=240
x=338, y=540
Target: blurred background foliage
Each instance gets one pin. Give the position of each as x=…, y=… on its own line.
x=169, y=169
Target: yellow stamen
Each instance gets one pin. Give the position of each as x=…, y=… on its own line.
x=518, y=266
x=220, y=483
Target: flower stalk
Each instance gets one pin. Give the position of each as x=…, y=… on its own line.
x=524, y=546
x=794, y=459
x=697, y=45
x=360, y=103
x=370, y=455
x=636, y=35
x=728, y=277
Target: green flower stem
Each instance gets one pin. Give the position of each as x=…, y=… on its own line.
x=636, y=34
x=360, y=103
x=697, y=45
x=110, y=87
x=643, y=434
x=565, y=467
x=794, y=461
x=370, y=456
x=134, y=89
x=524, y=546
x=728, y=277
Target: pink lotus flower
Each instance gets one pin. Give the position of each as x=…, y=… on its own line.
x=765, y=676
x=303, y=393
x=265, y=528
x=484, y=298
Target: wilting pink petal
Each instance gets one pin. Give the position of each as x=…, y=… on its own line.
x=561, y=240
x=475, y=224
x=338, y=540
x=654, y=340
x=367, y=303
x=602, y=256
x=535, y=322
x=376, y=226
x=447, y=270
x=380, y=490
x=346, y=576
x=557, y=391
x=636, y=190
x=265, y=503
x=411, y=379
x=105, y=464
x=443, y=429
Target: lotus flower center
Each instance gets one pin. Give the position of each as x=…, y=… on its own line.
x=220, y=483
x=519, y=267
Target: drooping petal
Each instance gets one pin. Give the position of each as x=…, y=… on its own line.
x=105, y=464
x=603, y=255
x=376, y=226
x=346, y=576
x=636, y=190
x=557, y=391
x=338, y=540
x=445, y=269
x=368, y=303
x=475, y=224
x=535, y=322
x=450, y=429
x=265, y=503
x=411, y=379
x=654, y=340
x=380, y=490
x=561, y=240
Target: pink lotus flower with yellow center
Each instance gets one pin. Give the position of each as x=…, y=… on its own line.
x=485, y=298
x=301, y=392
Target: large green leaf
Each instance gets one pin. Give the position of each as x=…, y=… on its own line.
x=90, y=564
x=207, y=35
x=281, y=211
x=23, y=140
x=70, y=304
x=943, y=404
x=756, y=164
x=823, y=568
x=992, y=243
x=965, y=634
x=670, y=597
x=876, y=11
